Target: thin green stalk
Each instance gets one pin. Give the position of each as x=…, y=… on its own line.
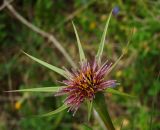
x=101, y=108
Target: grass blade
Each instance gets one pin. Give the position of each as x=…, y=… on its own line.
x=54, y=68
x=63, y=107
x=101, y=46
x=113, y=91
x=81, y=53
x=41, y=89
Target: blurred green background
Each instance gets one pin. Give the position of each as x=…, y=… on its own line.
x=137, y=72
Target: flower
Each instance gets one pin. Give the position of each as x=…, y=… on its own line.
x=17, y=105
x=84, y=83
x=116, y=10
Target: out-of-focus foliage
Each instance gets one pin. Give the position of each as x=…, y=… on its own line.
x=137, y=72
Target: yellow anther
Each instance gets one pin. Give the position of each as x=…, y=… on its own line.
x=85, y=86
x=80, y=87
x=88, y=82
x=92, y=89
x=94, y=81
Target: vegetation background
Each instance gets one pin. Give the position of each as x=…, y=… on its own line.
x=137, y=72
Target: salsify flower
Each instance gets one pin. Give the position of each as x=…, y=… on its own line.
x=84, y=83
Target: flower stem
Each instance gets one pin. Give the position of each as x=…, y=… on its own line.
x=101, y=108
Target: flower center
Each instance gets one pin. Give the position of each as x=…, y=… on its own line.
x=86, y=83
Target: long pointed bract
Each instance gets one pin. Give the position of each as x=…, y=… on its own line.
x=101, y=46
x=63, y=107
x=81, y=53
x=41, y=89
x=54, y=68
x=113, y=91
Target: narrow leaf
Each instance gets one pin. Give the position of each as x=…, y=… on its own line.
x=90, y=104
x=113, y=91
x=63, y=107
x=54, y=68
x=42, y=89
x=101, y=46
x=101, y=107
x=81, y=53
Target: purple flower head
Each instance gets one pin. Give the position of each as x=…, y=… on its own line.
x=116, y=10
x=84, y=83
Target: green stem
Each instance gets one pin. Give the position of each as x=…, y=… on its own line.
x=58, y=120
x=101, y=108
